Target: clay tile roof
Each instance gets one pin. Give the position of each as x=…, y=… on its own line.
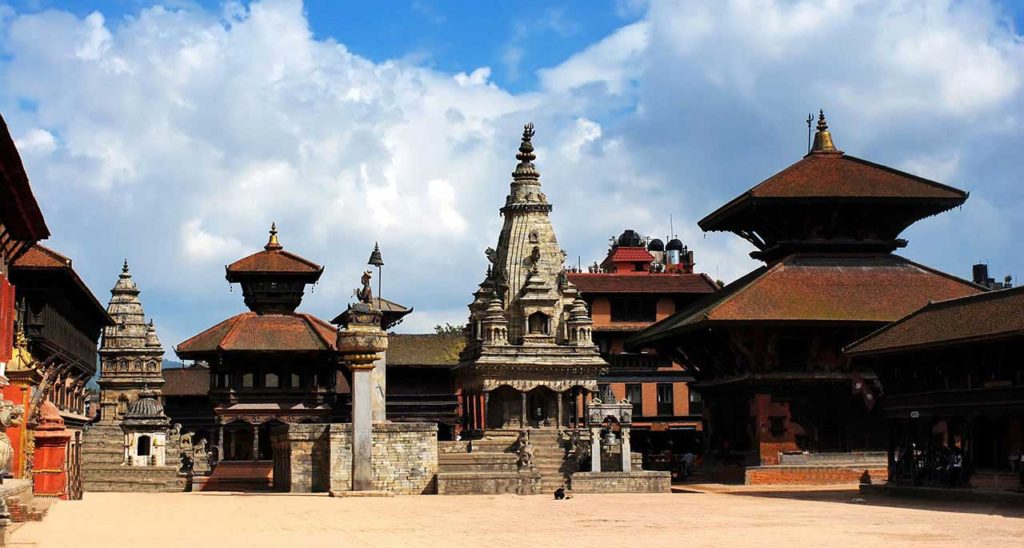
x=188, y=381
x=425, y=350
x=19, y=211
x=40, y=257
x=986, y=316
x=630, y=254
x=597, y=283
x=252, y=332
x=879, y=288
x=823, y=176
x=274, y=261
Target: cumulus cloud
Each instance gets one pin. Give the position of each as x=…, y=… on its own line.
x=176, y=136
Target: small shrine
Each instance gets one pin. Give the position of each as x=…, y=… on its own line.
x=145, y=432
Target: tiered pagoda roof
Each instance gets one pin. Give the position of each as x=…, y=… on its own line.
x=826, y=227
x=831, y=201
x=995, y=315
x=273, y=282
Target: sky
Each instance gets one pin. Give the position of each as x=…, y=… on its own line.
x=173, y=133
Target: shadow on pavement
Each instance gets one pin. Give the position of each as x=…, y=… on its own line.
x=852, y=496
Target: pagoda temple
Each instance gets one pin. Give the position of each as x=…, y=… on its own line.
x=766, y=350
x=270, y=365
x=529, y=355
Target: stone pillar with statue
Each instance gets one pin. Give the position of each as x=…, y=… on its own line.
x=360, y=343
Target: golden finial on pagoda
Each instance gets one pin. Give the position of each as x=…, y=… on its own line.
x=823, y=138
x=273, y=244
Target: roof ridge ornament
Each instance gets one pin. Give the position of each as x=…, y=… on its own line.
x=273, y=244
x=823, y=137
x=525, y=169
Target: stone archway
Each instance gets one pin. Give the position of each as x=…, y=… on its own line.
x=238, y=441
x=504, y=408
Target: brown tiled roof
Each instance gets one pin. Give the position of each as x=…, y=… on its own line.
x=819, y=288
x=40, y=257
x=274, y=260
x=991, y=315
x=252, y=332
x=594, y=284
x=188, y=381
x=839, y=175
x=630, y=254
x=19, y=211
x=425, y=350
x=392, y=313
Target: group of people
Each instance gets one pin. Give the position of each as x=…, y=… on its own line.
x=944, y=466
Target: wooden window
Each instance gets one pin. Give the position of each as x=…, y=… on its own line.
x=665, y=399
x=271, y=380
x=248, y=380
x=635, y=395
x=633, y=309
x=296, y=381
x=696, y=403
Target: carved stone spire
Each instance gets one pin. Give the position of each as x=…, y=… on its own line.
x=823, y=138
x=525, y=170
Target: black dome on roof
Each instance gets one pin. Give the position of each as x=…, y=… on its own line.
x=656, y=245
x=674, y=245
x=630, y=238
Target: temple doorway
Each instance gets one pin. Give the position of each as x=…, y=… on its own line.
x=266, y=447
x=542, y=407
x=238, y=438
x=504, y=408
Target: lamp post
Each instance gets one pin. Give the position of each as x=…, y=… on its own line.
x=377, y=261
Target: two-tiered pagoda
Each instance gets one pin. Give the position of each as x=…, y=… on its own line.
x=529, y=354
x=767, y=348
x=270, y=365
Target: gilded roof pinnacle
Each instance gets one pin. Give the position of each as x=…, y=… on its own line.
x=823, y=138
x=525, y=168
x=273, y=244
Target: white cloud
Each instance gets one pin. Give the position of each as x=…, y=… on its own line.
x=176, y=136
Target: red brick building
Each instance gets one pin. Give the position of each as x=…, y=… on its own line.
x=635, y=286
x=766, y=350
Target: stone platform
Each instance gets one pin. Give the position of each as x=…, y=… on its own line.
x=318, y=458
x=819, y=469
x=643, y=481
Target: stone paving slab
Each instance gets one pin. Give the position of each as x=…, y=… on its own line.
x=729, y=518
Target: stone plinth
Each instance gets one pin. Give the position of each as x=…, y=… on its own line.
x=49, y=466
x=318, y=458
x=622, y=482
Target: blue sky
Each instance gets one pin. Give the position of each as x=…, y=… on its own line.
x=173, y=133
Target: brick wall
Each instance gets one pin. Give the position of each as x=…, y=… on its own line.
x=810, y=475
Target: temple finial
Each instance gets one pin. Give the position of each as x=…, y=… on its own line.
x=823, y=138
x=124, y=268
x=273, y=244
x=525, y=169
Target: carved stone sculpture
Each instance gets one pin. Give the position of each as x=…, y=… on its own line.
x=10, y=415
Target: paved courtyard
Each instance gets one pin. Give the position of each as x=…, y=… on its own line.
x=721, y=517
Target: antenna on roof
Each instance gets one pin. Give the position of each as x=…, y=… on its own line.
x=810, y=118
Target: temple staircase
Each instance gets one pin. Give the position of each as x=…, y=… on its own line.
x=551, y=459
x=490, y=465
x=103, y=468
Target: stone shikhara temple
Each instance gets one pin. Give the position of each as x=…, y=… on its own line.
x=529, y=357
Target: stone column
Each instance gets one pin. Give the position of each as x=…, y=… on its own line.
x=483, y=411
x=626, y=460
x=380, y=389
x=560, y=395
x=523, y=411
x=255, y=442
x=362, y=427
x=595, y=449
x=220, y=442
x=360, y=344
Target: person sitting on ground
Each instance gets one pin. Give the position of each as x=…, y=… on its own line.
x=560, y=493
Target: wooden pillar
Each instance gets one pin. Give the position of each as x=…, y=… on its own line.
x=220, y=442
